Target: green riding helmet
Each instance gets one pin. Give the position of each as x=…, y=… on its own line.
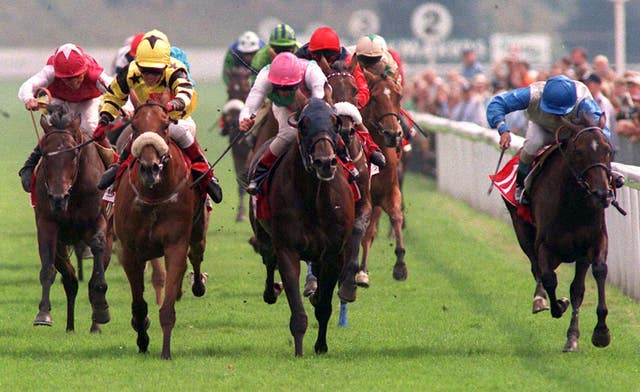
x=282, y=35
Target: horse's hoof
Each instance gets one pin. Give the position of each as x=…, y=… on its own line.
x=571, y=346
x=539, y=304
x=101, y=315
x=321, y=348
x=95, y=328
x=347, y=292
x=241, y=218
x=362, y=279
x=400, y=272
x=310, y=286
x=601, y=338
x=43, y=318
x=313, y=299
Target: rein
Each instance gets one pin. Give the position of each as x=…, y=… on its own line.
x=49, y=154
x=305, y=152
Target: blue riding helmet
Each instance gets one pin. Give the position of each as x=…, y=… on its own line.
x=559, y=95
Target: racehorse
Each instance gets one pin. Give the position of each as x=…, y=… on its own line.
x=239, y=83
x=312, y=216
x=381, y=116
x=68, y=211
x=157, y=213
x=568, y=197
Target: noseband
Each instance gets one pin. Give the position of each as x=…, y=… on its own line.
x=306, y=150
x=580, y=176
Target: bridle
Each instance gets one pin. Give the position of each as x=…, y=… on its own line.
x=306, y=149
x=377, y=124
x=76, y=154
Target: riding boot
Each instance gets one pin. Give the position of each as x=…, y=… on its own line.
x=265, y=163
x=374, y=154
x=109, y=176
x=523, y=171
x=343, y=154
x=195, y=153
x=27, y=170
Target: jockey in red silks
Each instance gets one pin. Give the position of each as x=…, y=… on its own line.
x=325, y=43
x=72, y=77
x=280, y=81
x=149, y=75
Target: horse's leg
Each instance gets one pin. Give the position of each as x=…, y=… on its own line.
x=47, y=242
x=241, y=215
x=392, y=207
x=601, y=336
x=196, y=254
x=158, y=276
x=175, y=261
x=577, y=295
x=271, y=289
x=69, y=281
x=289, y=267
x=98, y=283
x=363, y=217
x=78, y=248
x=135, y=274
x=322, y=304
x=367, y=241
x=550, y=281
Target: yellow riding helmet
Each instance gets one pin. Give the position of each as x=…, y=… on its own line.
x=154, y=50
x=367, y=46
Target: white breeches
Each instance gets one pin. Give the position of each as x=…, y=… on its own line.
x=286, y=133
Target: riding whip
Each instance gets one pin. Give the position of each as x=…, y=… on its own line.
x=35, y=127
x=91, y=140
x=496, y=173
x=249, y=67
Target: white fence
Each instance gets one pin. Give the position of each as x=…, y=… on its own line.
x=466, y=155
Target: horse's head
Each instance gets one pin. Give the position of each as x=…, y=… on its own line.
x=317, y=124
x=382, y=112
x=239, y=83
x=150, y=124
x=344, y=91
x=60, y=159
x=230, y=116
x=588, y=155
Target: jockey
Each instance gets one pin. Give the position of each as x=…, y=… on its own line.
x=282, y=39
x=545, y=102
x=73, y=78
x=241, y=53
x=280, y=81
x=153, y=71
x=372, y=54
x=324, y=45
x=126, y=53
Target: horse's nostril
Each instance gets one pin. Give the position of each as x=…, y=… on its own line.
x=334, y=162
x=156, y=168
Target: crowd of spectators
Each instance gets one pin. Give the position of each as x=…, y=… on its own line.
x=463, y=94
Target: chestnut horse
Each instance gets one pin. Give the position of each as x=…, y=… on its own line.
x=68, y=211
x=381, y=116
x=568, y=197
x=156, y=214
x=312, y=216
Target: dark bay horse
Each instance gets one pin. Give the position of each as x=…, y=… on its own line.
x=382, y=117
x=157, y=213
x=312, y=216
x=68, y=211
x=568, y=198
x=237, y=91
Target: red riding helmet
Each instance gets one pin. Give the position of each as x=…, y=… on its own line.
x=324, y=38
x=69, y=61
x=285, y=70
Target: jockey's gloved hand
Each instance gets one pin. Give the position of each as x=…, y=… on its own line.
x=175, y=105
x=103, y=126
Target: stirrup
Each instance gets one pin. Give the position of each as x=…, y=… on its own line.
x=254, y=187
x=378, y=159
x=108, y=177
x=521, y=196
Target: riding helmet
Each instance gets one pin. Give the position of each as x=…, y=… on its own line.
x=154, y=50
x=282, y=35
x=559, y=95
x=324, y=38
x=69, y=61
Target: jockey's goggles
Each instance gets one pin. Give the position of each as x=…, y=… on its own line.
x=329, y=55
x=282, y=87
x=151, y=71
x=367, y=61
x=281, y=49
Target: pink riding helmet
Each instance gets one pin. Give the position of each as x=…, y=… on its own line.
x=286, y=70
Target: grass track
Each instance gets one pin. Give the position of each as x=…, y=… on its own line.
x=462, y=320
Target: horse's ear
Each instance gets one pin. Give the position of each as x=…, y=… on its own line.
x=352, y=67
x=44, y=123
x=134, y=98
x=75, y=122
x=370, y=76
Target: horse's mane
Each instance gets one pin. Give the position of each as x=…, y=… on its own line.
x=317, y=115
x=59, y=116
x=339, y=66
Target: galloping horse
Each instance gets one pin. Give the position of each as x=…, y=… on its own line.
x=158, y=214
x=312, y=216
x=568, y=198
x=237, y=91
x=382, y=117
x=68, y=210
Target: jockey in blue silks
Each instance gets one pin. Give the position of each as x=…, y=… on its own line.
x=545, y=102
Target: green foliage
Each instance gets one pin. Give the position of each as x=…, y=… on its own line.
x=462, y=320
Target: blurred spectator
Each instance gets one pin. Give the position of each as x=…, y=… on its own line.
x=470, y=108
x=602, y=68
x=627, y=114
x=594, y=83
x=579, y=63
x=470, y=65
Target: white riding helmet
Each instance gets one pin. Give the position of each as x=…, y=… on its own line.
x=248, y=42
x=367, y=46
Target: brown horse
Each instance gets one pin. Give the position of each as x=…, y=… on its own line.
x=568, y=198
x=158, y=214
x=239, y=83
x=382, y=117
x=312, y=215
x=68, y=211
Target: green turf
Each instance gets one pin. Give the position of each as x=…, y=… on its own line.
x=462, y=320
